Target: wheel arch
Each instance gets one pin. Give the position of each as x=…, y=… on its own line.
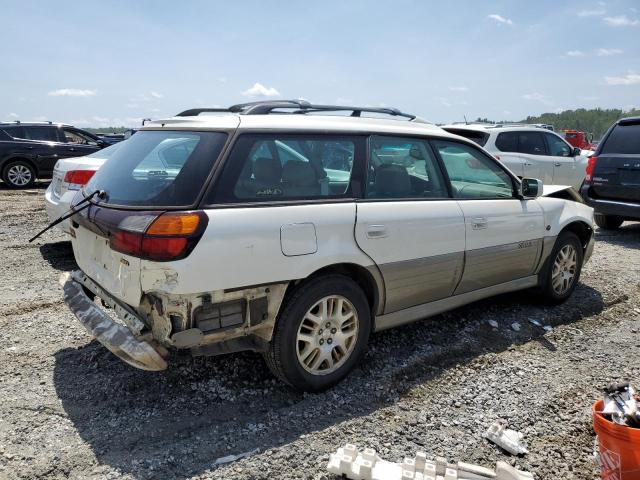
x=8, y=160
x=582, y=230
x=369, y=279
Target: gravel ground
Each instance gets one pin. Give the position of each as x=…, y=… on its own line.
x=70, y=409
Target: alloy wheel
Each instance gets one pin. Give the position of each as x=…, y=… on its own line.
x=327, y=335
x=564, y=269
x=19, y=175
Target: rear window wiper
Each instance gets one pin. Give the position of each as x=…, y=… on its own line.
x=85, y=202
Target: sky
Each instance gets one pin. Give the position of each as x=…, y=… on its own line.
x=102, y=64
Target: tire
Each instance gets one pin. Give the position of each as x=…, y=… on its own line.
x=314, y=365
x=18, y=174
x=561, y=272
x=608, y=222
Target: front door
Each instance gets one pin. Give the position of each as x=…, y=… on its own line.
x=407, y=223
x=77, y=144
x=503, y=233
x=566, y=170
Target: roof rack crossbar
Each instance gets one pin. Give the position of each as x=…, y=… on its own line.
x=298, y=107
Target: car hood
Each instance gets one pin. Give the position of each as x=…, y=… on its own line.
x=550, y=189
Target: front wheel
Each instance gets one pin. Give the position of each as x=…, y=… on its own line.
x=321, y=333
x=562, y=271
x=607, y=222
x=19, y=174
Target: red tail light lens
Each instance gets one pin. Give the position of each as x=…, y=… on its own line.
x=591, y=165
x=78, y=177
x=171, y=236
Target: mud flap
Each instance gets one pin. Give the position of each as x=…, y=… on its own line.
x=115, y=337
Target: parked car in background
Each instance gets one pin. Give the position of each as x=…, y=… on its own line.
x=111, y=138
x=29, y=150
x=612, y=182
x=529, y=151
x=69, y=175
x=298, y=234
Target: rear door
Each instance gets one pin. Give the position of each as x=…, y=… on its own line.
x=408, y=224
x=507, y=145
x=503, y=233
x=617, y=170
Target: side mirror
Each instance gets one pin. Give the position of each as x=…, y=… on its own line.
x=530, y=188
x=576, y=152
x=101, y=143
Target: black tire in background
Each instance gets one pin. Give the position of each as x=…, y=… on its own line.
x=608, y=222
x=283, y=355
x=557, y=268
x=18, y=174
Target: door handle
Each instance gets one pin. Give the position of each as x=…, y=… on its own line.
x=479, y=223
x=557, y=164
x=527, y=164
x=377, y=231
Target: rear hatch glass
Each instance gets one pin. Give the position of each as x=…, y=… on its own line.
x=617, y=171
x=157, y=169
x=474, y=135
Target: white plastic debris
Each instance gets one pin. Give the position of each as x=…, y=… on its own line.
x=515, y=326
x=233, y=458
x=493, y=323
x=367, y=465
x=548, y=328
x=509, y=440
x=535, y=322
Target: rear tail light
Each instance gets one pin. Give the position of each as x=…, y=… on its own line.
x=78, y=178
x=591, y=165
x=170, y=236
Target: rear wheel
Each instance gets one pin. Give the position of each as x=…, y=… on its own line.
x=608, y=222
x=562, y=271
x=321, y=333
x=19, y=174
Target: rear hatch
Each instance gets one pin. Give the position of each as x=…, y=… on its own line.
x=154, y=172
x=616, y=173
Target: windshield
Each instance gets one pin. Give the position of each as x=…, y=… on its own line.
x=158, y=168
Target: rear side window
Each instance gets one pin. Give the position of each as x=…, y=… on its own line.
x=14, y=132
x=277, y=167
x=507, y=142
x=531, y=143
x=403, y=168
x=474, y=135
x=46, y=134
x=158, y=168
x=623, y=139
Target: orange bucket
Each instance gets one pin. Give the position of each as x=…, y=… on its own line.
x=619, y=447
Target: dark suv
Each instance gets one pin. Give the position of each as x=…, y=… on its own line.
x=612, y=183
x=30, y=150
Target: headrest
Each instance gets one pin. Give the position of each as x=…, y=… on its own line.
x=392, y=181
x=267, y=169
x=300, y=173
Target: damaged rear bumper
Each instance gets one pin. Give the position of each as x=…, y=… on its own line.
x=119, y=339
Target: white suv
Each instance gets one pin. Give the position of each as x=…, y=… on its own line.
x=529, y=151
x=298, y=234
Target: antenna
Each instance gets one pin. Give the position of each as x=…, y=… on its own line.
x=465, y=120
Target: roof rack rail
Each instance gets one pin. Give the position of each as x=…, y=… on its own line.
x=297, y=107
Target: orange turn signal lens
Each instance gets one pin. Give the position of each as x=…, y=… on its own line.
x=178, y=223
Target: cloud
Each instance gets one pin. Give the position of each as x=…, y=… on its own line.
x=537, y=97
x=628, y=79
x=592, y=13
x=500, y=19
x=155, y=94
x=621, y=21
x=575, y=53
x=259, y=90
x=459, y=89
x=13, y=115
x=72, y=92
x=607, y=52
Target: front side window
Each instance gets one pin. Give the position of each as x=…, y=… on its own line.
x=403, y=168
x=472, y=173
x=531, y=143
x=78, y=138
x=158, y=168
x=557, y=146
x=277, y=167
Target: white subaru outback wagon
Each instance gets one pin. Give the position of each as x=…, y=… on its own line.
x=297, y=230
